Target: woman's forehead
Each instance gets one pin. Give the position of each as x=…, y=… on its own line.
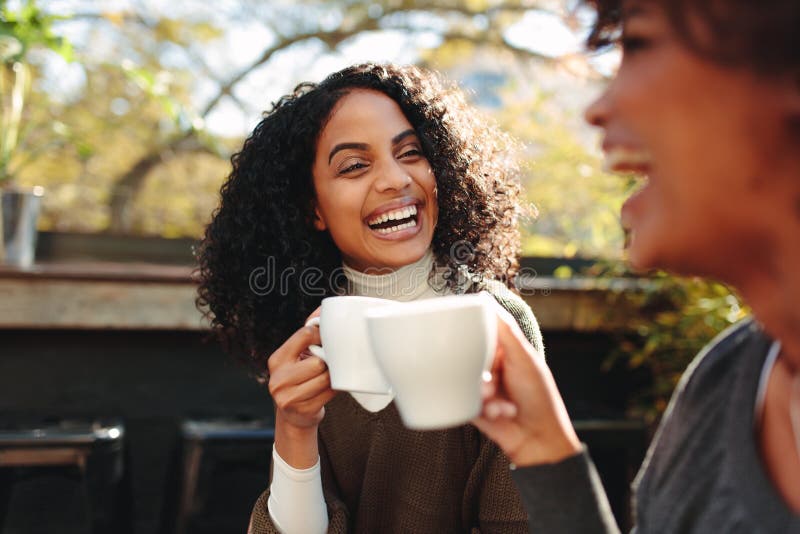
x=361, y=112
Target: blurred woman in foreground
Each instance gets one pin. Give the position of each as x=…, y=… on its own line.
x=706, y=107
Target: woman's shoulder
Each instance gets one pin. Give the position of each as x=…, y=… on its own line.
x=714, y=397
x=719, y=359
x=518, y=308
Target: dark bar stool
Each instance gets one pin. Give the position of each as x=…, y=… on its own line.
x=49, y=459
x=225, y=467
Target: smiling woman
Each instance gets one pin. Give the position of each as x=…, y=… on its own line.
x=380, y=181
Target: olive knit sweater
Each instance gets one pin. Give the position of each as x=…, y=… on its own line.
x=378, y=476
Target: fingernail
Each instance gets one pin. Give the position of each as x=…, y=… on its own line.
x=509, y=410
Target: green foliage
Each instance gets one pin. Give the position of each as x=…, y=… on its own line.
x=184, y=32
x=20, y=31
x=180, y=196
x=138, y=107
x=575, y=205
x=30, y=26
x=124, y=112
x=673, y=319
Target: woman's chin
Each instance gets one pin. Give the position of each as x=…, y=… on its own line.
x=390, y=255
x=638, y=254
x=405, y=255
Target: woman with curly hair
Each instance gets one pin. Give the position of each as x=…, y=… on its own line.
x=706, y=105
x=378, y=181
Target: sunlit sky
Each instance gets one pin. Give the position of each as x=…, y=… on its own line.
x=244, y=40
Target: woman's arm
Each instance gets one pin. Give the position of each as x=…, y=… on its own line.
x=525, y=415
x=300, y=387
x=262, y=522
x=296, y=503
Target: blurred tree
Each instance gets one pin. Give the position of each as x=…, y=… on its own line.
x=23, y=28
x=577, y=205
x=136, y=114
x=574, y=206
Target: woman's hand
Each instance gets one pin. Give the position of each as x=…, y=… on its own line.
x=300, y=387
x=523, y=411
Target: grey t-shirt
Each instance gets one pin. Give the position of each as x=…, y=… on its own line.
x=703, y=472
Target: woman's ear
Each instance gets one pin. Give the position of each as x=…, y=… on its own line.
x=319, y=222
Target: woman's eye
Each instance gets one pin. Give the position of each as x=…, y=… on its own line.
x=352, y=167
x=411, y=153
x=633, y=44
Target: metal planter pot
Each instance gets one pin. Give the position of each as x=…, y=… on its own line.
x=20, y=213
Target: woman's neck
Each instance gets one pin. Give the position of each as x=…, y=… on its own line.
x=409, y=282
x=772, y=290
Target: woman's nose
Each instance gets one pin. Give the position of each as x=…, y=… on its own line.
x=598, y=111
x=392, y=176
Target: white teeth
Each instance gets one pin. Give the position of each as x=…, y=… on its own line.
x=402, y=213
x=625, y=159
x=397, y=228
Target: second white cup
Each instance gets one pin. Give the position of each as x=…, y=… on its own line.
x=434, y=353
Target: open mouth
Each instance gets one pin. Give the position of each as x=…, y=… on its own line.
x=628, y=161
x=395, y=220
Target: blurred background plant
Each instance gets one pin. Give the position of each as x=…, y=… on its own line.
x=21, y=30
x=675, y=318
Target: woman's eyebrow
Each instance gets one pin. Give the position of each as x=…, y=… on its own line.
x=363, y=146
x=345, y=146
x=399, y=137
x=632, y=10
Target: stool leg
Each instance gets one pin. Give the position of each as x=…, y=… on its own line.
x=103, y=479
x=6, y=486
x=191, y=471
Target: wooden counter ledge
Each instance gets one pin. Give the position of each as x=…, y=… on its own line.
x=146, y=296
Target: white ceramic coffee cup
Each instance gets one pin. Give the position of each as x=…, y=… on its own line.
x=434, y=353
x=346, y=348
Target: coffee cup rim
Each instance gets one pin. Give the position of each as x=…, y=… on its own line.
x=432, y=305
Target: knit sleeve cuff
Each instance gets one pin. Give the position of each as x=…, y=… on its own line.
x=566, y=496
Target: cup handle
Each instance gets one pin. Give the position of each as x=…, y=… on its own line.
x=316, y=350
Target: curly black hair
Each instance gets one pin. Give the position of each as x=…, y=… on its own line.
x=762, y=35
x=263, y=225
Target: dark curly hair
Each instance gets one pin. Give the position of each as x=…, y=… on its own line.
x=763, y=36
x=263, y=225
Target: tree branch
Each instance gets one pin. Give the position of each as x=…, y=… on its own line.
x=359, y=22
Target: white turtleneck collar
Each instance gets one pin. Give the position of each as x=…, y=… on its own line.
x=407, y=283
